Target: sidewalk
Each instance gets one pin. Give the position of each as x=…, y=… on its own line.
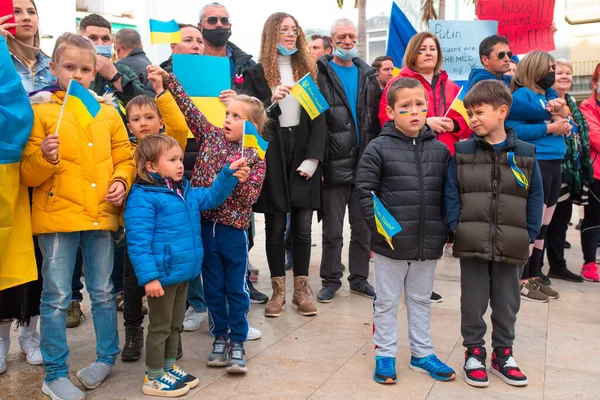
x=330, y=356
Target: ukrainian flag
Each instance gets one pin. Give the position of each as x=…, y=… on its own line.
x=387, y=226
x=308, y=95
x=458, y=105
x=253, y=139
x=80, y=101
x=164, y=32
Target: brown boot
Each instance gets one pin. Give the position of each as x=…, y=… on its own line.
x=276, y=304
x=301, y=300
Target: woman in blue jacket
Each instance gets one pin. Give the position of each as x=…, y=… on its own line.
x=534, y=76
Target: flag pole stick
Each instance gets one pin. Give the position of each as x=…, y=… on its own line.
x=275, y=103
x=62, y=109
x=451, y=104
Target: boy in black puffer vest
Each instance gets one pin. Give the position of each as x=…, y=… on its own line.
x=405, y=167
x=494, y=200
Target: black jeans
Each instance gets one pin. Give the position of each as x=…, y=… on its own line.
x=557, y=235
x=133, y=295
x=301, y=226
x=590, y=227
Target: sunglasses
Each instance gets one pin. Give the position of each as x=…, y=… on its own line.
x=553, y=67
x=213, y=20
x=503, y=54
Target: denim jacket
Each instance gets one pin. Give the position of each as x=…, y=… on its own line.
x=42, y=78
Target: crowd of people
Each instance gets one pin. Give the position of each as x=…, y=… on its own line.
x=149, y=198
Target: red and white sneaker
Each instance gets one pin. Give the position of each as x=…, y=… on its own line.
x=475, y=372
x=505, y=367
x=589, y=272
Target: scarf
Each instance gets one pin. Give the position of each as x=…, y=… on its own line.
x=28, y=55
x=577, y=172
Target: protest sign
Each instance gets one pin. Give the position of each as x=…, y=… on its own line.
x=527, y=24
x=202, y=76
x=459, y=41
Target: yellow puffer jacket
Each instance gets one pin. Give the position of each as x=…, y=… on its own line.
x=69, y=195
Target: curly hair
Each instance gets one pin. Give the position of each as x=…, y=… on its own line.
x=302, y=62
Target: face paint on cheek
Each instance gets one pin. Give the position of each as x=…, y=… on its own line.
x=339, y=43
x=403, y=113
x=420, y=53
x=424, y=111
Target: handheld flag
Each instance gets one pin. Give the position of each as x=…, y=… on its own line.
x=253, y=139
x=458, y=105
x=387, y=226
x=164, y=32
x=81, y=102
x=307, y=93
x=519, y=175
x=400, y=33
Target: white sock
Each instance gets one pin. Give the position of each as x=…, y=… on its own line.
x=5, y=330
x=31, y=328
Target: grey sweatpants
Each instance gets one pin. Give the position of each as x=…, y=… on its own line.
x=481, y=282
x=416, y=277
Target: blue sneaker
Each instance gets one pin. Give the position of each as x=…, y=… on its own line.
x=165, y=386
x=433, y=366
x=385, y=370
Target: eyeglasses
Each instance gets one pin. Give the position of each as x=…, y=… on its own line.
x=288, y=32
x=503, y=54
x=213, y=20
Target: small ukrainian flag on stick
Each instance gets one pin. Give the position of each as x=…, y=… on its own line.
x=164, y=32
x=459, y=106
x=81, y=102
x=252, y=139
x=308, y=95
x=387, y=226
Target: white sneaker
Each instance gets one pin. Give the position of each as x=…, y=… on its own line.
x=4, y=345
x=193, y=320
x=30, y=346
x=253, y=333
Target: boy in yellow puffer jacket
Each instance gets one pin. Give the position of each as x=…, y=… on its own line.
x=146, y=116
x=80, y=178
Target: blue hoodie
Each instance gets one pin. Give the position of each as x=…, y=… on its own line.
x=548, y=146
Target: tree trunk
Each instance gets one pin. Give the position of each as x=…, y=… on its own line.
x=362, y=29
x=442, y=8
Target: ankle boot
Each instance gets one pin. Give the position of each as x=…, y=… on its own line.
x=134, y=342
x=301, y=300
x=276, y=305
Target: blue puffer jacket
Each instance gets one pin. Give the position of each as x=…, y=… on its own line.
x=163, y=229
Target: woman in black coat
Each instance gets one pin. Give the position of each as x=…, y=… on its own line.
x=294, y=156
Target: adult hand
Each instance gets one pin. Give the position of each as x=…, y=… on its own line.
x=242, y=174
x=116, y=193
x=304, y=175
x=227, y=95
x=105, y=67
x=440, y=124
x=50, y=146
x=242, y=162
x=156, y=77
x=280, y=92
x=154, y=289
x=556, y=107
x=5, y=27
x=559, y=127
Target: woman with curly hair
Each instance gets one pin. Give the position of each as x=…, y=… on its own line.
x=297, y=145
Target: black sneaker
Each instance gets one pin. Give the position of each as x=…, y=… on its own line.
x=565, y=274
x=134, y=342
x=363, y=288
x=436, y=298
x=256, y=297
x=505, y=367
x=475, y=372
x=326, y=294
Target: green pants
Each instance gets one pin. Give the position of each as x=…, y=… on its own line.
x=166, y=316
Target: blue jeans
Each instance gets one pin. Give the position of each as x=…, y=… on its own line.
x=59, y=251
x=195, y=295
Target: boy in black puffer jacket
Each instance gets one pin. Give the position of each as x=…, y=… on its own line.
x=405, y=167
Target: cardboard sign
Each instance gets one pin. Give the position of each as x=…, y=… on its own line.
x=202, y=76
x=527, y=24
x=459, y=42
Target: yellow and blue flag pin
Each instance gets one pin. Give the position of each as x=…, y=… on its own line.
x=81, y=102
x=253, y=140
x=164, y=32
x=308, y=95
x=387, y=226
x=519, y=175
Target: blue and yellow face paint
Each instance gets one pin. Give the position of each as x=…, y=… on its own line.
x=424, y=111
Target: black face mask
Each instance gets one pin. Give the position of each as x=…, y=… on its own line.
x=547, y=81
x=217, y=37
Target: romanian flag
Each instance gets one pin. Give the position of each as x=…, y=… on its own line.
x=253, y=139
x=80, y=101
x=308, y=95
x=458, y=105
x=387, y=226
x=164, y=32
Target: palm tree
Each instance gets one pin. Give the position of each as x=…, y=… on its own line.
x=429, y=12
x=362, y=25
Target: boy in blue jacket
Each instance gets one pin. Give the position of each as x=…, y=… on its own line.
x=494, y=201
x=162, y=218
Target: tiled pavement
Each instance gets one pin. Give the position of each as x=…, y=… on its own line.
x=330, y=356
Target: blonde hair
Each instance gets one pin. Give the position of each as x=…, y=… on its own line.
x=566, y=63
x=532, y=68
x=302, y=62
x=414, y=46
x=74, y=40
x=149, y=150
x=256, y=111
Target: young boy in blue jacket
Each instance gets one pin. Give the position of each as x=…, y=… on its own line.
x=494, y=201
x=162, y=218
